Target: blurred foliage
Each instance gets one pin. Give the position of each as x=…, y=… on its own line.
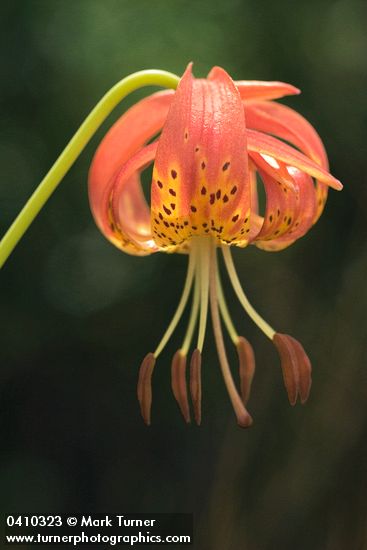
x=77, y=316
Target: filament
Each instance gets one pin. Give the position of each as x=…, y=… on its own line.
x=204, y=262
x=251, y=312
x=182, y=303
x=193, y=317
x=225, y=313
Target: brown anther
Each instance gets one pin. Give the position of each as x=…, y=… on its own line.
x=145, y=386
x=296, y=367
x=195, y=384
x=246, y=360
x=178, y=382
x=305, y=371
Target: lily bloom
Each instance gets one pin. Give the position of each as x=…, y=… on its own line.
x=218, y=142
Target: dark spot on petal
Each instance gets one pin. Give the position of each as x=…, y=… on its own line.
x=203, y=165
x=206, y=230
x=246, y=220
x=212, y=198
x=186, y=135
x=225, y=198
x=160, y=216
x=247, y=231
x=218, y=193
x=174, y=174
x=193, y=208
x=203, y=190
x=167, y=210
x=276, y=232
x=235, y=218
x=186, y=223
x=173, y=206
x=160, y=184
x=278, y=212
x=234, y=190
x=172, y=192
x=270, y=218
x=196, y=149
x=156, y=221
x=225, y=166
x=166, y=224
x=289, y=221
x=194, y=227
x=205, y=225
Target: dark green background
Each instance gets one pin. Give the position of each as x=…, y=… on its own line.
x=77, y=316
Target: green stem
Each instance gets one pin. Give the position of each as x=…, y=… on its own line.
x=75, y=147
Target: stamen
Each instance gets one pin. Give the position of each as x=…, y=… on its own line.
x=296, y=367
x=193, y=317
x=204, y=260
x=178, y=373
x=195, y=384
x=183, y=301
x=243, y=417
x=252, y=313
x=225, y=313
x=246, y=360
x=145, y=386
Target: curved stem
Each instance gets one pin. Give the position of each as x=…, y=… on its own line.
x=75, y=147
x=251, y=312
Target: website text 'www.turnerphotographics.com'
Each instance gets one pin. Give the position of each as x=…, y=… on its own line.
x=99, y=529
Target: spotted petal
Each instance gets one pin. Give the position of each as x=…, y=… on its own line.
x=200, y=175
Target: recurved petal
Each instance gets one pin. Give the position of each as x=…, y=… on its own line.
x=281, y=209
x=138, y=125
x=258, y=142
x=126, y=213
x=303, y=216
x=284, y=122
x=258, y=89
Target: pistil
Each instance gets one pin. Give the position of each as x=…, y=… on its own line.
x=243, y=417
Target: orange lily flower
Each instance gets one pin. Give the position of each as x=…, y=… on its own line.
x=219, y=140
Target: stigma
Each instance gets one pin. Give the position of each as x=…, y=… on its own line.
x=204, y=288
